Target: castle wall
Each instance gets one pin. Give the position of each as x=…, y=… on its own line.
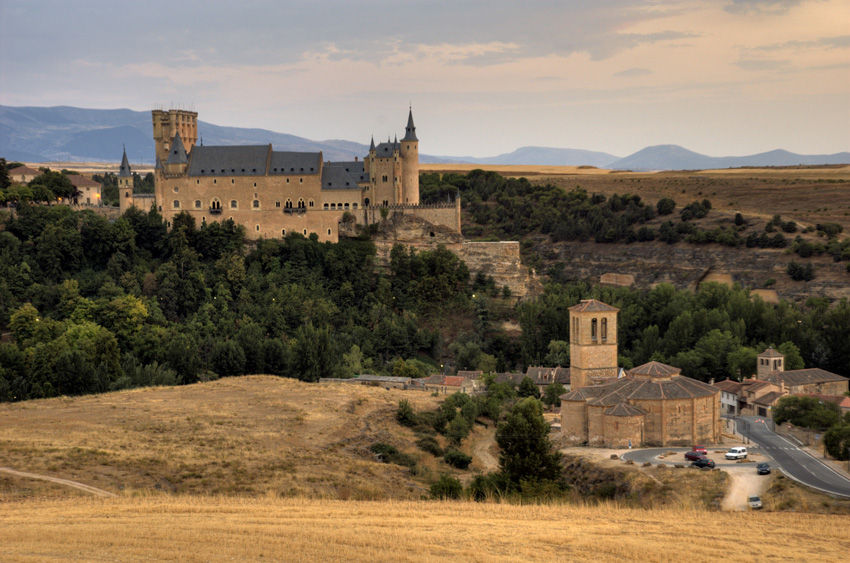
x=595, y=425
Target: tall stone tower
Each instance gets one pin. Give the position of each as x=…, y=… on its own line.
x=768, y=361
x=125, y=185
x=410, y=164
x=168, y=124
x=593, y=342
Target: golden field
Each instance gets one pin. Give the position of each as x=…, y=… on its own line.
x=238, y=529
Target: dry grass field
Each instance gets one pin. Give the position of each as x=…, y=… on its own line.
x=271, y=529
x=251, y=435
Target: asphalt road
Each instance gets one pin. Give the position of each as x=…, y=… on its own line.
x=794, y=462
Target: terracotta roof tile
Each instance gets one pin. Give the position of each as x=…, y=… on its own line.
x=771, y=353
x=625, y=409
x=655, y=369
x=592, y=305
x=803, y=377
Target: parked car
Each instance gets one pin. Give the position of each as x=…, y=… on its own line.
x=755, y=503
x=737, y=453
x=763, y=468
x=693, y=456
x=703, y=462
x=699, y=450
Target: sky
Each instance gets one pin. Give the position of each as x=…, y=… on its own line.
x=719, y=77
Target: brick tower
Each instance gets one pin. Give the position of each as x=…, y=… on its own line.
x=168, y=124
x=593, y=342
x=410, y=164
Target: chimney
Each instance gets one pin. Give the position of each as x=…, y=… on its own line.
x=356, y=158
x=782, y=386
x=711, y=381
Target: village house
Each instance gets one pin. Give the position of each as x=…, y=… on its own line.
x=771, y=367
x=729, y=392
x=88, y=192
x=448, y=384
x=23, y=174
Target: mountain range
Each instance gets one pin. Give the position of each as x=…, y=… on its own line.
x=63, y=133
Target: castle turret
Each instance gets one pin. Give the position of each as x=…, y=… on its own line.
x=410, y=163
x=168, y=124
x=178, y=160
x=125, y=185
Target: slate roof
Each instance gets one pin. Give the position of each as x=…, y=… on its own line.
x=177, y=154
x=124, y=170
x=544, y=375
x=753, y=385
x=288, y=162
x=624, y=409
x=410, y=130
x=385, y=150
x=343, y=175
x=655, y=369
x=592, y=305
x=803, y=377
x=630, y=388
x=508, y=377
x=246, y=160
x=771, y=353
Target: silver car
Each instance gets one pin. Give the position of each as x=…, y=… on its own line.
x=755, y=503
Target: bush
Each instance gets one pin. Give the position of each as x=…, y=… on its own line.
x=405, y=415
x=665, y=206
x=429, y=444
x=390, y=454
x=837, y=441
x=801, y=272
x=446, y=488
x=457, y=459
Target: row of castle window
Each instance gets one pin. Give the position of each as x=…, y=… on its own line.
x=254, y=170
x=233, y=181
x=255, y=204
x=595, y=332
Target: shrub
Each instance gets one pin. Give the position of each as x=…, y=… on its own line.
x=405, y=415
x=429, y=444
x=665, y=206
x=390, y=454
x=801, y=272
x=457, y=459
x=446, y=488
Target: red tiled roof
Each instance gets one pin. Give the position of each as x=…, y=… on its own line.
x=82, y=182
x=23, y=170
x=771, y=353
x=769, y=398
x=729, y=386
x=655, y=369
x=803, y=377
x=842, y=401
x=592, y=305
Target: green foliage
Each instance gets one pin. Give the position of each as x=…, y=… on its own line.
x=446, y=488
x=390, y=454
x=526, y=452
x=552, y=394
x=527, y=388
x=665, y=206
x=457, y=459
x=801, y=272
x=836, y=440
x=806, y=411
x=429, y=444
x=405, y=415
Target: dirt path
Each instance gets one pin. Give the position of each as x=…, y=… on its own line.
x=483, y=451
x=743, y=482
x=76, y=485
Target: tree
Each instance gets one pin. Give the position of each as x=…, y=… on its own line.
x=527, y=388
x=806, y=411
x=836, y=440
x=526, y=452
x=447, y=487
x=665, y=206
x=405, y=415
x=552, y=394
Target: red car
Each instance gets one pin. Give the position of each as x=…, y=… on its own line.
x=699, y=450
x=693, y=456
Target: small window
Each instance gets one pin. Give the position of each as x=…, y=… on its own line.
x=232, y=180
x=300, y=180
x=333, y=206
x=197, y=181
x=197, y=204
x=176, y=204
x=287, y=180
x=258, y=227
x=215, y=181
x=346, y=206
x=305, y=232
x=176, y=189
x=277, y=204
x=256, y=204
x=283, y=232
x=233, y=204
x=310, y=203
x=593, y=331
x=354, y=206
x=325, y=206
x=329, y=232
x=255, y=184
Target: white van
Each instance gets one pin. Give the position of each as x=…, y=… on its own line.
x=737, y=453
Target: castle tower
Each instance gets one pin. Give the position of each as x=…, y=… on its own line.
x=125, y=185
x=768, y=361
x=168, y=124
x=177, y=161
x=410, y=164
x=593, y=342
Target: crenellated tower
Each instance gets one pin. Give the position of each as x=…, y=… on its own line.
x=169, y=124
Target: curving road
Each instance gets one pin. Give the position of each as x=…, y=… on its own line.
x=794, y=462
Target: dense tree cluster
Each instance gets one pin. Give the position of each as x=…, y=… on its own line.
x=95, y=305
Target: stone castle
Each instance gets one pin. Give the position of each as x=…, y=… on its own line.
x=650, y=405
x=274, y=193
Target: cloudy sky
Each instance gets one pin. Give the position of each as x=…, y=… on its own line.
x=721, y=77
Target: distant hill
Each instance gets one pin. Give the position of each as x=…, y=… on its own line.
x=674, y=157
x=542, y=156
x=63, y=133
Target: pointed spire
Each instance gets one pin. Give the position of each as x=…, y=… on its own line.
x=158, y=164
x=124, y=171
x=372, y=147
x=395, y=143
x=410, y=130
x=177, y=155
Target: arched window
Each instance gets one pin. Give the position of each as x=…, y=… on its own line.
x=305, y=232
x=233, y=204
x=301, y=203
x=176, y=204
x=366, y=202
x=353, y=206
x=329, y=232
x=197, y=204
x=256, y=204
x=283, y=232
x=215, y=203
x=258, y=227
x=593, y=324
x=325, y=206
x=288, y=204
x=604, y=329
x=126, y=194
x=310, y=203
x=333, y=206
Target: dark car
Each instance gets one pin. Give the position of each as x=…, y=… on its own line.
x=699, y=450
x=693, y=456
x=703, y=462
x=763, y=468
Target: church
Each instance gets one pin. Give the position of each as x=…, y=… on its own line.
x=650, y=405
x=274, y=193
